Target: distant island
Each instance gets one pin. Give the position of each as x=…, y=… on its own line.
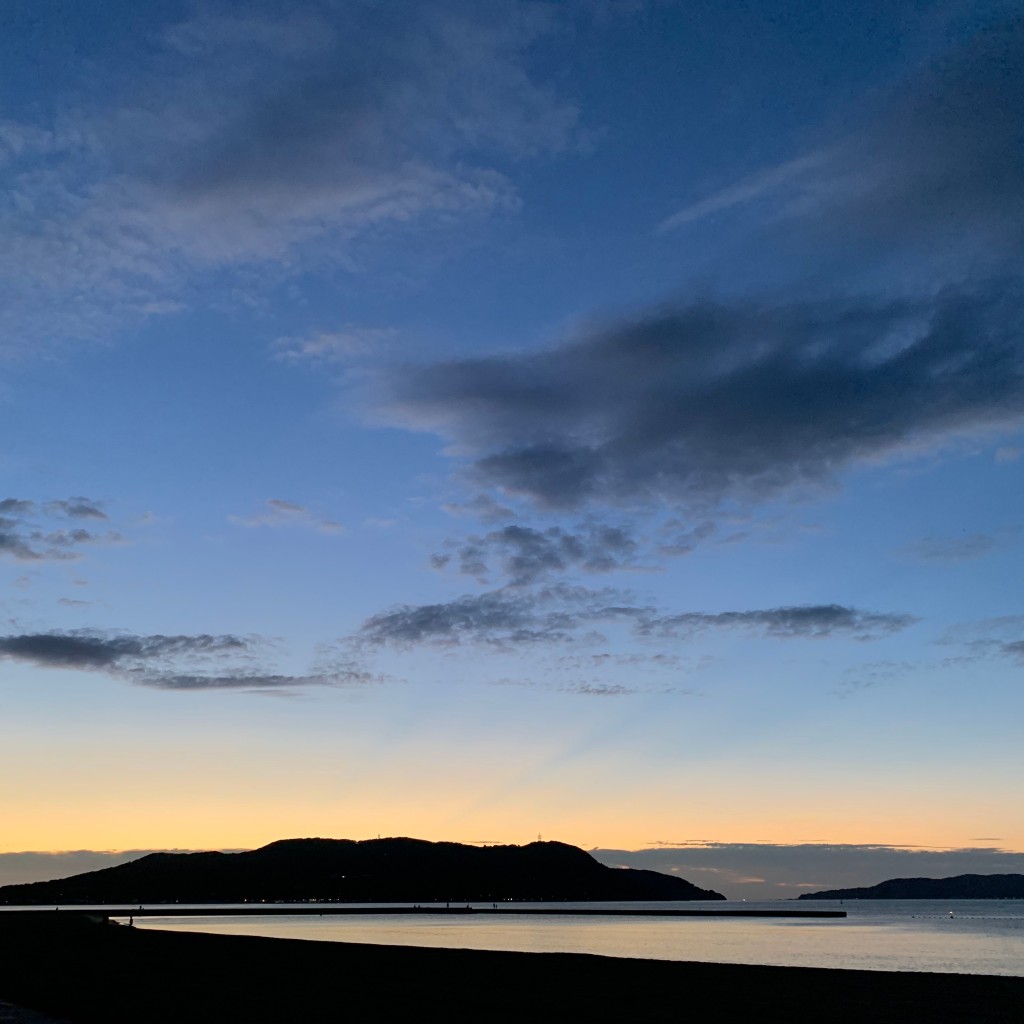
x=958, y=887
x=397, y=870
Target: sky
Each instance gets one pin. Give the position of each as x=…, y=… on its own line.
x=598, y=420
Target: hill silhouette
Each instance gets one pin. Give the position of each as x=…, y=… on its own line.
x=369, y=871
x=957, y=887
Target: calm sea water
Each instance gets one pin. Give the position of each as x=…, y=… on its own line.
x=981, y=936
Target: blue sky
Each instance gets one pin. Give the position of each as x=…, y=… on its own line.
x=591, y=419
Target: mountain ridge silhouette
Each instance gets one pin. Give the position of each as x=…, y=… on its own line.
x=395, y=869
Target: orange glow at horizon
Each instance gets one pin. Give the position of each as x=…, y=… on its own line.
x=213, y=824
x=242, y=784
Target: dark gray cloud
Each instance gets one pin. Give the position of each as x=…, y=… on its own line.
x=705, y=402
x=76, y=508
x=520, y=554
x=1014, y=649
x=57, y=541
x=820, y=620
x=525, y=554
x=18, y=547
x=231, y=681
x=167, y=662
x=55, y=545
x=99, y=651
x=28, y=532
x=947, y=162
x=713, y=402
x=502, y=618
x=16, y=507
x=775, y=871
x=514, y=617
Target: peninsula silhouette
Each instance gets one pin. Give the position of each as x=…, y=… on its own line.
x=957, y=887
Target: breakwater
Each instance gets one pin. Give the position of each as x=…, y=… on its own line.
x=334, y=909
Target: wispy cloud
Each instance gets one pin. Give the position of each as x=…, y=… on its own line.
x=600, y=689
x=332, y=346
x=769, y=181
x=941, y=163
x=258, y=135
x=482, y=507
x=999, y=637
x=874, y=673
x=281, y=513
x=963, y=548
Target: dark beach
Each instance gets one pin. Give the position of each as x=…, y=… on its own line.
x=83, y=972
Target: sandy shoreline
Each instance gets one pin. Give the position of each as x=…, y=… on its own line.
x=83, y=972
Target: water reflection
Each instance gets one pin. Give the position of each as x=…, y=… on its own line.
x=983, y=937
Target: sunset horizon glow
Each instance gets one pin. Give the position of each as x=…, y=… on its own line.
x=601, y=421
